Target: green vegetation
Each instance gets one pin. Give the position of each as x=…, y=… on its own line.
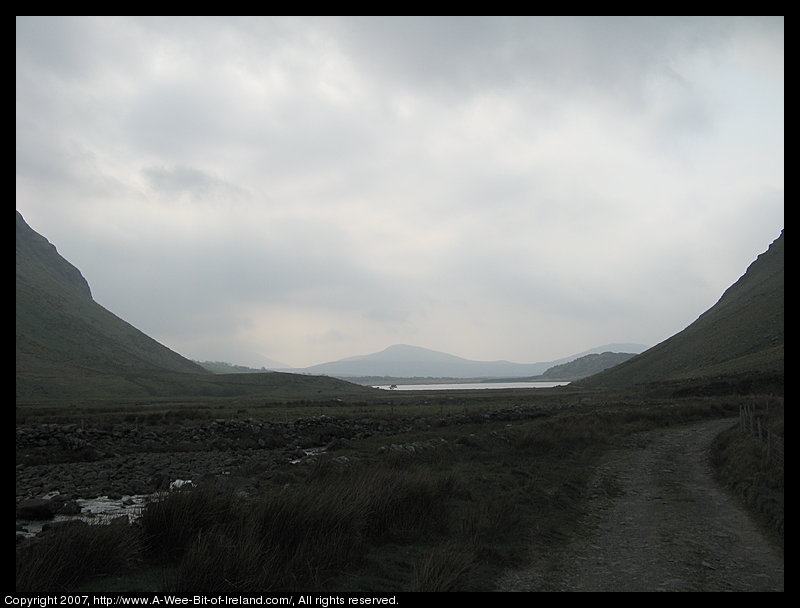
x=63, y=337
x=74, y=553
x=587, y=365
x=453, y=516
x=749, y=460
x=222, y=367
x=68, y=347
x=735, y=346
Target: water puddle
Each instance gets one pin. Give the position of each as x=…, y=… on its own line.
x=96, y=510
x=308, y=452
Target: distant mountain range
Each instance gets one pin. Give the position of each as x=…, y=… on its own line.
x=70, y=348
x=405, y=361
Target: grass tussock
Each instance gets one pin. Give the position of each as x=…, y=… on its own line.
x=70, y=555
x=444, y=568
x=753, y=467
x=293, y=537
x=217, y=561
x=173, y=520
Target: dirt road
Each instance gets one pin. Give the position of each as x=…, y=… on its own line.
x=657, y=521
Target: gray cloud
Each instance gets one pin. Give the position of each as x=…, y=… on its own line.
x=186, y=182
x=309, y=188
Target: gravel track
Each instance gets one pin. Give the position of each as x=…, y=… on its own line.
x=656, y=520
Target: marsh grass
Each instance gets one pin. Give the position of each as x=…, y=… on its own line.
x=753, y=472
x=69, y=555
x=294, y=536
x=172, y=520
x=444, y=568
x=452, y=517
x=221, y=560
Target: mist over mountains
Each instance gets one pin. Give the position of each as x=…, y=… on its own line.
x=68, y=346
x=406, y=361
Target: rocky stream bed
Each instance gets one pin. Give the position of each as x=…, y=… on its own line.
x=65, y=471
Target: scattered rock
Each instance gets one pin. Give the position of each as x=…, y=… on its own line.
x=125, y=459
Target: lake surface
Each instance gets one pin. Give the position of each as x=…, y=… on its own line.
x=469, y=386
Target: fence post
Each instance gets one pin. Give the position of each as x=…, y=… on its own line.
x=769, y=445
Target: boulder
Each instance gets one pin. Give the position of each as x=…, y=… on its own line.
x=69, y=507
x=37, y=509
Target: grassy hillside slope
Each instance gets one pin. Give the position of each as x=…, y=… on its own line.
x=585, y=366
x=70, y=347
x=63, y=336
x=737, y=344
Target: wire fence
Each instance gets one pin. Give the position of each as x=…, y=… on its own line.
x=754, y=421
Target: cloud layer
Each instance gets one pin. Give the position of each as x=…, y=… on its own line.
x=305, y=189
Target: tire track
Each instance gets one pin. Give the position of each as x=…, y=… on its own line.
x=657, y=521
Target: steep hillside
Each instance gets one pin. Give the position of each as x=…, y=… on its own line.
x=62, y=332
x=735, y=345
x=69, y=347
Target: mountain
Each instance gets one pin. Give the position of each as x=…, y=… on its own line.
x=405, y=361
x=587, y=365
x=61, y=330
x=70, y=347
x=736, y=345
x=222, y=367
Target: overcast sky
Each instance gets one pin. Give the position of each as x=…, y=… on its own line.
x=306, y=189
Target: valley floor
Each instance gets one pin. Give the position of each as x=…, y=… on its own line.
x=445, y=492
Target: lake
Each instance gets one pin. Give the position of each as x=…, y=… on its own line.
x=469, y=386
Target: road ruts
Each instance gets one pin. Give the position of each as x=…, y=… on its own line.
x=657, y=521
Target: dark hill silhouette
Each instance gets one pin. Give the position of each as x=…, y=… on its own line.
x=736, y=345
x=70, y=347
x=61, y=329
